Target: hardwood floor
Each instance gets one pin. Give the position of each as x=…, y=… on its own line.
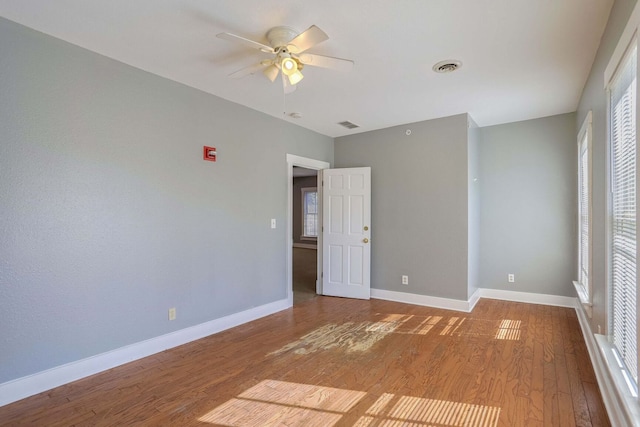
x=305, y=264
x=332, y=361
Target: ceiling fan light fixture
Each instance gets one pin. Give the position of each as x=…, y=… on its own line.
x=295, y=77
x=289, y=66
x=271, y=72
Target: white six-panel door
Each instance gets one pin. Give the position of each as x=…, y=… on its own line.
x=346, y=230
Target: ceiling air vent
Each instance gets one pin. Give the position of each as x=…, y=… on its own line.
x=348, y=124
x=447, y=66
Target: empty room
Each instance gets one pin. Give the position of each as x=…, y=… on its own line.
x=337, y=213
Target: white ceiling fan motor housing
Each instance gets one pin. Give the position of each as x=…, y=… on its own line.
x=281, y=36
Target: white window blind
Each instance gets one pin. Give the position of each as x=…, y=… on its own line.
x=584, y=211
x=310, y=212
x=623, y=205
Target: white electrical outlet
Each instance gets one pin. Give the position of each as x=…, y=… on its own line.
x=512, y=278
x=172, y=314
x=273, y=223
x=405, y=280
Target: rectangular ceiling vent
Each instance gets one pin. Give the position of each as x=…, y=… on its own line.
x=348, y=125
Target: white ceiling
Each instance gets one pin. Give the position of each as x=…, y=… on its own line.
x=522, y=59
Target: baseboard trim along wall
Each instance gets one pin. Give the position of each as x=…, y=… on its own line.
x=528, y=297
x=20, y=388
x=424, y=300
x=467, y=306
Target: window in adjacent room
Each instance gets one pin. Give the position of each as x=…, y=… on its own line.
x=583, y=285
x=309, y=213
x=622, y=242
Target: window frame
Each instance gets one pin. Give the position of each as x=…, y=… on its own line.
x=620, y=372
x=303, y=200
x=585, y=144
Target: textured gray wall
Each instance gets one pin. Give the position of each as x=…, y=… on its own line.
x=594, y=98
x=298, y=184
x=528, y=205
x=473, y=157
x=109, y=215
x=418, y=202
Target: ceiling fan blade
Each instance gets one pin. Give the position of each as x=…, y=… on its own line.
x=288, y=87
x=250, y=43
x=251, y=69
x=326, y=62
x=307, y=39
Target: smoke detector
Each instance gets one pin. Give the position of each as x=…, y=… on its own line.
x=447, y=66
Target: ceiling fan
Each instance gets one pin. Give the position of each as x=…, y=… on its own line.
x=288, y=48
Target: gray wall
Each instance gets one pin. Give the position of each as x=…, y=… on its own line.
x=418, y=204
x=473, y=158
x=594, y=98
x=109, y=215
x=298, y=184
x=528, y=205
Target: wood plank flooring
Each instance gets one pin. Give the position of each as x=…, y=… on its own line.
x=305, y=263
x=332, y=361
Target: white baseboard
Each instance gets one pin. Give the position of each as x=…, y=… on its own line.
x=467, y=306
x=305, y=246
x=473, y=300
x=528, y=297
x=20, y=388
x=428, y=301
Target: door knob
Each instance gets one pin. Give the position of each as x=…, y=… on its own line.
x=366, y=228
x=365, y=240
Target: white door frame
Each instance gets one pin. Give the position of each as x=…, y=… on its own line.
x=303, y=162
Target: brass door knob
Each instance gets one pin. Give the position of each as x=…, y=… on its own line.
x=365, y=240
x=366, y=228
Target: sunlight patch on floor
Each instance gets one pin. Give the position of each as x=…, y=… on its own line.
x=412, y=324
x=304, y=395
x=504, y=329
x=509, y=330
x=274, y=403
x=391, y=411
x=452, y=326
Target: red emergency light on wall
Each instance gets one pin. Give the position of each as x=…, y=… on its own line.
x=209, y=153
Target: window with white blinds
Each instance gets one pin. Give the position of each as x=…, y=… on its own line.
x=584, y=214
x=622, y=127
x=309, y=213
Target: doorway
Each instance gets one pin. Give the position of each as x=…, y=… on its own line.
x=305, y=233
x=300, y=259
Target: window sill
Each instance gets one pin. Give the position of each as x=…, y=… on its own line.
x=584, y=299
x=624, y=395
x=312, y=239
